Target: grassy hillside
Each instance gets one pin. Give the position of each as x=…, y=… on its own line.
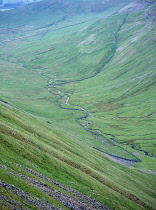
x=84, y=83
x=32, y=152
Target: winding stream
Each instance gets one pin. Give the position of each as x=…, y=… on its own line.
x=99, y=135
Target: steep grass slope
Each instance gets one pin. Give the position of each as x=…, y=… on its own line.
x=122, y=95
x=39, y=166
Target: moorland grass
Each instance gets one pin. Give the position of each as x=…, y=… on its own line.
x=125, y=83
x=113, y=90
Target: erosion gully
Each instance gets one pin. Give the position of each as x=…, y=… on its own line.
x=51, y=86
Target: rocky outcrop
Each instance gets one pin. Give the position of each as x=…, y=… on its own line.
x=136, y=5
x=75, y=201
x=9, y=203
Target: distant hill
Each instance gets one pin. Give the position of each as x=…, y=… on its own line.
x=12, y=4
x=18, y=1
x=50, y=8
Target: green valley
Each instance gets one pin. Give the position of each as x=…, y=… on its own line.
x=78, y=105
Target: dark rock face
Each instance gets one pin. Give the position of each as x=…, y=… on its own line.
x=145, y=1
